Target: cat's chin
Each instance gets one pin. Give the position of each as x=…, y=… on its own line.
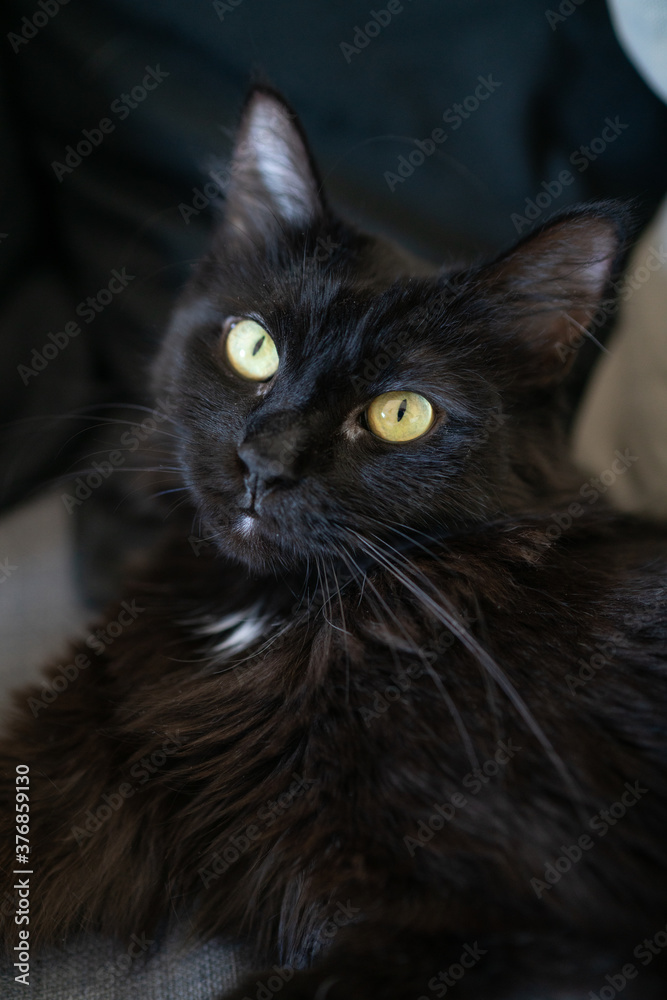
x=246, y=525
x=246, y=539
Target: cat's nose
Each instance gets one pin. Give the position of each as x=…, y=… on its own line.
x=272, y=458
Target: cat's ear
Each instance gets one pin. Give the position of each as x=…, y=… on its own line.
x=551, y=287
x=274, y=183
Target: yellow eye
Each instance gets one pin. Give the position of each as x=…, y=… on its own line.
x=251, y=351
x=399, y=416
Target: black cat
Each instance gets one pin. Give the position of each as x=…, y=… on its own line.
x=394, y=710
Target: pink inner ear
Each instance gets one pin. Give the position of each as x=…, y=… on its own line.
x=585, y=264
x=273, y=179
x=280, y=160
x=598, y=272
x=556, y=280
x=585, y=253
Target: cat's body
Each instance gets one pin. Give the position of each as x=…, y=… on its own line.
x=402, y=705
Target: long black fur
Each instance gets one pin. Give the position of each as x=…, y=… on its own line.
x=373, y=699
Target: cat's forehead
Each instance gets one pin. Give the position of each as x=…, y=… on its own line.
x=363, y=284
x=347, y=316
x=327, y=264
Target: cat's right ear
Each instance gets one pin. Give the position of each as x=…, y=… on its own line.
x=274, y=183
x=550, y=287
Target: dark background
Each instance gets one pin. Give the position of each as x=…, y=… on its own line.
x=61, y=239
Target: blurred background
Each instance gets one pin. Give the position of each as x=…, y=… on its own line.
x=116, y=119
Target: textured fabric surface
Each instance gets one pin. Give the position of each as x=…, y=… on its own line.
x=92, y=968
x=625, y=407
x=39, y=609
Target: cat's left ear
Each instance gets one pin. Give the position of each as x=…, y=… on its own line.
x=551, y=287
x=274, y=182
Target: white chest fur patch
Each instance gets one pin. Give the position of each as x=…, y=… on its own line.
x=238, y=630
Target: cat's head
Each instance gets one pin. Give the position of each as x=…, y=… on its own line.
x=329, y=387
